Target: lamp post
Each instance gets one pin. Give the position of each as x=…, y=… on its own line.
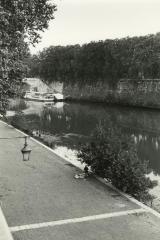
x=26, y=151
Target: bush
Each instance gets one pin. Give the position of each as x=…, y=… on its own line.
x=113, y=156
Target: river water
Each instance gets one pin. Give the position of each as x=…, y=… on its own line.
x=63, y=126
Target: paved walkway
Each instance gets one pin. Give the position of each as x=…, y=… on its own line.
x=41, y=199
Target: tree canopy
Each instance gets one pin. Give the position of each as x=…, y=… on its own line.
x=103, y=61
x=20, y=24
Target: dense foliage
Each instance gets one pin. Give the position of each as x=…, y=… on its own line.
x=115, y=158
x=110, y=60
x=20, y=23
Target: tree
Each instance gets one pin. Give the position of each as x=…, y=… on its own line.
x=20, y=24
x=115, y=158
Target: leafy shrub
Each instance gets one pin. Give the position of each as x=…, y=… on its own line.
x=113, y=156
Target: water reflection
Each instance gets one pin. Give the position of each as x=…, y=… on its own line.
x=67, y=125
x=149, y=149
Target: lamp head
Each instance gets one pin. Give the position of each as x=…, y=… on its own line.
x=26, y=151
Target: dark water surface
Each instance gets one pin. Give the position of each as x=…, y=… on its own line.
x=66, y=125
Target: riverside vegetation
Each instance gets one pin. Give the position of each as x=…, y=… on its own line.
x=114, y=157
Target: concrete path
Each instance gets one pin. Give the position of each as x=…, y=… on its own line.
x=41, y=199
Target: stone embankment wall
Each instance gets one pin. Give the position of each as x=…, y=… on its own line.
x=144, y=85
x=97, y=92
x=145, y=92
x=142, y=93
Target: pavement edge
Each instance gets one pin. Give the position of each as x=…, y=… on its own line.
x=4, y=228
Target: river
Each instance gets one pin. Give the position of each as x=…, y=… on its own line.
x=63, y=126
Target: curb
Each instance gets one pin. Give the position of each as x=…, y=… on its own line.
x=130, y=198
x=5, y=233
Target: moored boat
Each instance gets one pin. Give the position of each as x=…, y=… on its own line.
x=43, y=97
